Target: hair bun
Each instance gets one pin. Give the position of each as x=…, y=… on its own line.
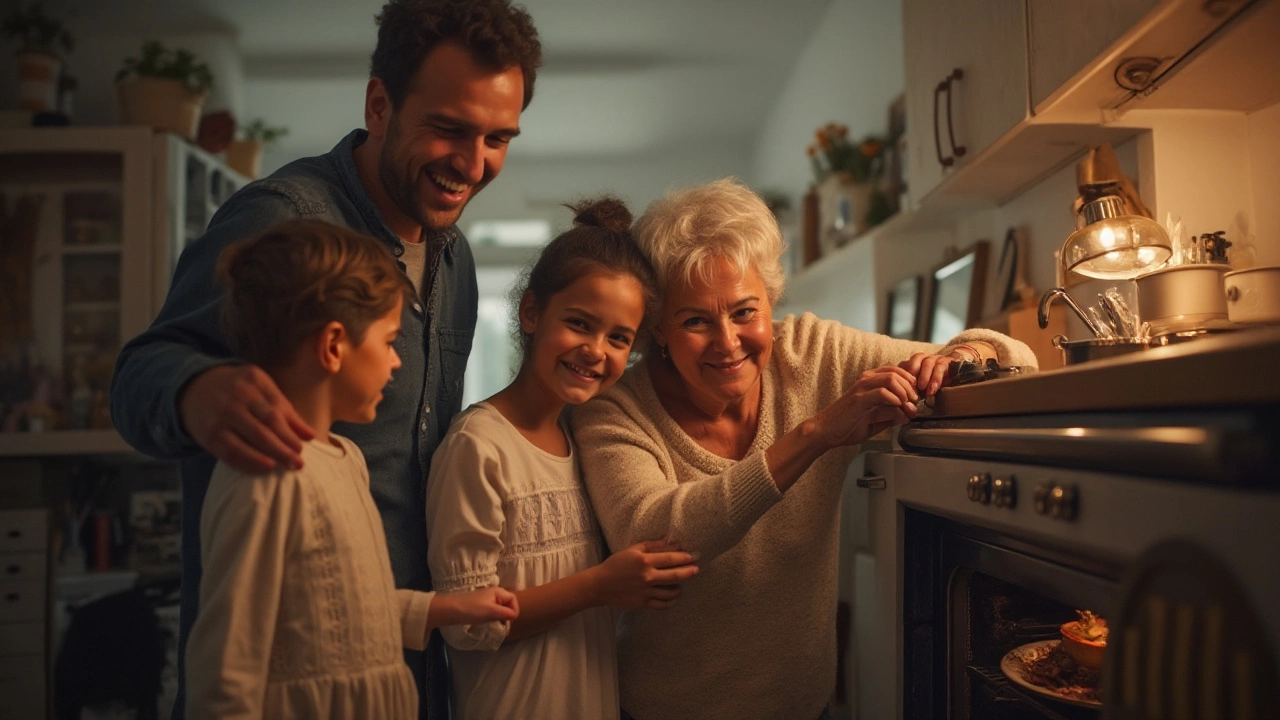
x=606, y=212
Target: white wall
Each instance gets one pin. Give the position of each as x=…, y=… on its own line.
x=530, y=188
x=849, y=74
x=1264, y=173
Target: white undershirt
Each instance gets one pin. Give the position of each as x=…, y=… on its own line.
x=415, y=261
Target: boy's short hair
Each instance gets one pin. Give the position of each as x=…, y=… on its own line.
x=289, y=282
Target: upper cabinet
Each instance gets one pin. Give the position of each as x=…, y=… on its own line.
x=1002, y=92
x=966, y=77
x=91, y=223
x=1067, y=36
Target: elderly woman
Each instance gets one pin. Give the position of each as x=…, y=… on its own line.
x=732, y=439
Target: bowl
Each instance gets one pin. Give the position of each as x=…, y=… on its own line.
x=1075, y=352
x=1086, y=653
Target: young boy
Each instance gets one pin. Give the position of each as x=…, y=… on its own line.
x=299, y=614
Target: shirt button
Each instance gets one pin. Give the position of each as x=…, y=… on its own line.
x=427, y=411
x=423, y=426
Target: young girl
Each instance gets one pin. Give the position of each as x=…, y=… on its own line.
x=299, y=615
x=506, y=505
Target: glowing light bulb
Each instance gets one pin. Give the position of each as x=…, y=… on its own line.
x=1107, y=237
x=1146, y=255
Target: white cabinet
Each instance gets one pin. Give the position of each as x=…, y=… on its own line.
x=1067, y=36
x=966, y=78
x=94, y=221
x=24, y=613
x=1000, y=93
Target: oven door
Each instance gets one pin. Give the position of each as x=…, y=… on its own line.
x=971, y=559
x=980, y=606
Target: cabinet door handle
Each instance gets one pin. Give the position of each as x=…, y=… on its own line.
x=871, y=482
x=958, y=150
x=937, y=137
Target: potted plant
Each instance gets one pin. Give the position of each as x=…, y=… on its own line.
x=164, y=88
x=846, y=173
x=244, y=155
x=40, y=38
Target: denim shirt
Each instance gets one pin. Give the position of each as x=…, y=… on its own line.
x=420, y=401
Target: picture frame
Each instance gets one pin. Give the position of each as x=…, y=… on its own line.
x=902, y=308
x=957, y=288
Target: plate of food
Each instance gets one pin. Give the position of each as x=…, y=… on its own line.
x=1045, y=668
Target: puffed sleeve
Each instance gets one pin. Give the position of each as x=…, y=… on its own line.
x=245, y=529
x=465, y=521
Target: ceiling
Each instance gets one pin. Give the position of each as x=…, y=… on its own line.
x=622, y=78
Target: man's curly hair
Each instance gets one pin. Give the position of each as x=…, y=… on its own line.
x=497, y=34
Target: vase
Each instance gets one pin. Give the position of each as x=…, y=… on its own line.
x=38, y=74
x=844, y=206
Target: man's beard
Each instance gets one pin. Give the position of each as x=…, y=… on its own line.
x=403, y=189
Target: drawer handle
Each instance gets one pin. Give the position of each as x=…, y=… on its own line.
x=15, y=534
x=14, y=569
x=13, y=597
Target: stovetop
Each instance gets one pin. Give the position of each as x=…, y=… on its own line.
x=1207, y=410
x=1238, y=369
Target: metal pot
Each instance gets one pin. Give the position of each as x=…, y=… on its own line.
x=1253, y=295
x=1183, y=297
x=1075, y=352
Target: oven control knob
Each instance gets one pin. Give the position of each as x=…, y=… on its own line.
x=1063, y=502
x=1040, y=498
x=1004, y=492
x=979, y=488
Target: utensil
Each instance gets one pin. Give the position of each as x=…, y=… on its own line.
x=1108, y=330
x=1127, y=322
x=1045, y=302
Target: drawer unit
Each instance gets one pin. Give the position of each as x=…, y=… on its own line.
x=23, y=566
x=22, y=685
x=24, y=613
x=23, y=531
x=23, y=638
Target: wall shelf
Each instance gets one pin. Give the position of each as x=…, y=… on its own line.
x=63, y=442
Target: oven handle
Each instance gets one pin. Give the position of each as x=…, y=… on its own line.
x=1178, y=449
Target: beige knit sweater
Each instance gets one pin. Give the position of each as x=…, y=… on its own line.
x=753, y=634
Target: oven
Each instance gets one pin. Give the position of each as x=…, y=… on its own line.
x=981, y=535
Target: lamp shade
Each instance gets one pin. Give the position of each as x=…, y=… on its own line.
x=1113, y=246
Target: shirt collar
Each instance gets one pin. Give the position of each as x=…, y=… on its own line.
x=344, y=159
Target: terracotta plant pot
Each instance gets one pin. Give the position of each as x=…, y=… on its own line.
x=245, y=157
x=162, y=104
x=38, y=74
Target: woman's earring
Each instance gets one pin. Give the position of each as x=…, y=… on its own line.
x=662, y=350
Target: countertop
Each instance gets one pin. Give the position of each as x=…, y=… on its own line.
x=1231, y=369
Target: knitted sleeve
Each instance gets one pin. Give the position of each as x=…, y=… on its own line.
x=634, y=490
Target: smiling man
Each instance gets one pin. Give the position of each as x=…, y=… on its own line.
x=448, y=82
